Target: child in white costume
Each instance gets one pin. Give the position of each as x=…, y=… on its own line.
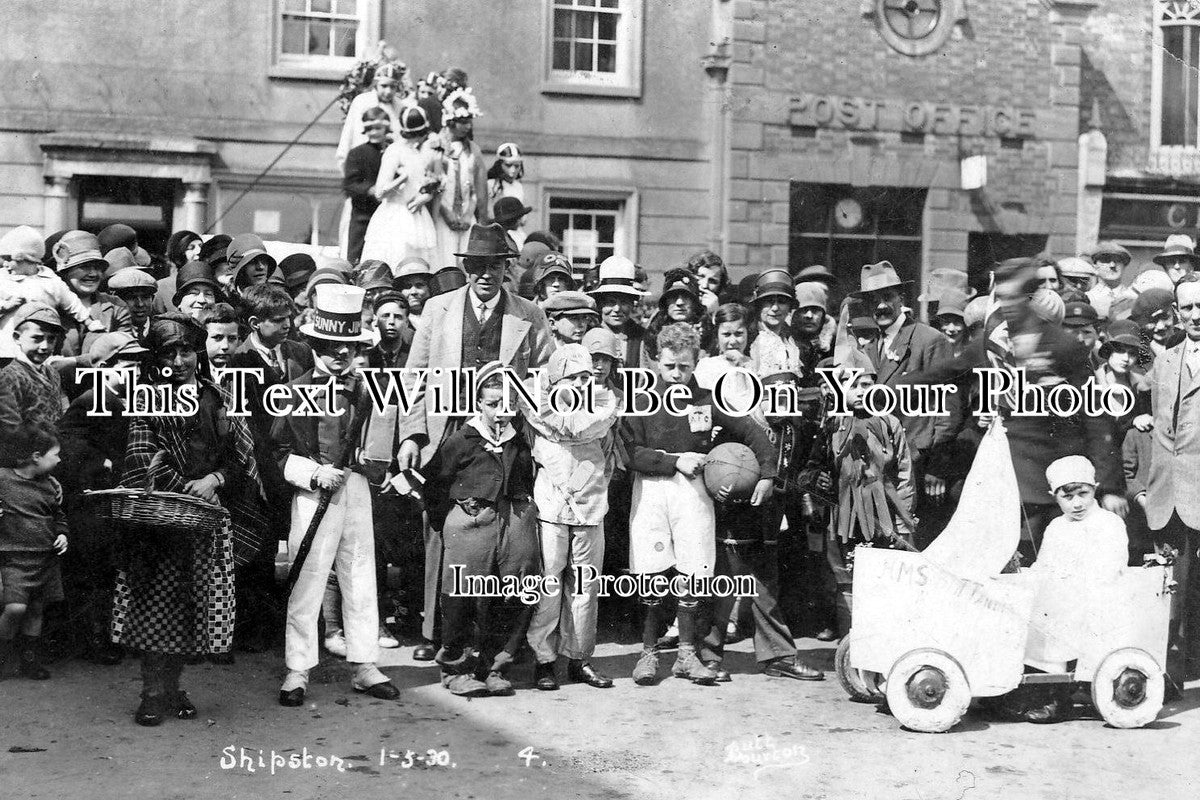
x=1085, y=548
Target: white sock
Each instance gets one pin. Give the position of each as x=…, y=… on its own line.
x=367, y=674
x=296, y=679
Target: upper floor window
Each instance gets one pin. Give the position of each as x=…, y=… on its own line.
x=595, y=46
x=1177, y=57
x=323, y=38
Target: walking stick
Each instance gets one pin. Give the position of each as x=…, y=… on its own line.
x=343, y=461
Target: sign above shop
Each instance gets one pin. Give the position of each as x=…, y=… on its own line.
x=810, y=110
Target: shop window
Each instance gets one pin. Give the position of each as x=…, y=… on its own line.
x=1176, y=88
x=323, y=38
x=594, y=46
x=591, y=228
x=845, y=227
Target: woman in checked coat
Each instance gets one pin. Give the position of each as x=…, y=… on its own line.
x=174, y=595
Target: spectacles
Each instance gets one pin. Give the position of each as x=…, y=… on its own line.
x=478, y=267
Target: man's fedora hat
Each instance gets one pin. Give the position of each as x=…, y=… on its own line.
x=1177, y=245
x=1111, y=249
x=877, y=277
x=337, y=314
x=487, y=241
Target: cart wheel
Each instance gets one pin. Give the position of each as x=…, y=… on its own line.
x=927, y=691
x=1127, y=689
x=861, y=685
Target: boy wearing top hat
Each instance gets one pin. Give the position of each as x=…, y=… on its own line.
x=312, y=452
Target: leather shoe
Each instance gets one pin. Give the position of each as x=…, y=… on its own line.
x=151, y=711
x=293, y=698
x=826, y=635
x=181, y=706
x=786, y=668
x=498, y=685
x=424, y=652
x=382, y=691
x=464, y=685
x=544, y=677
x=581, y=671
x=723, y=675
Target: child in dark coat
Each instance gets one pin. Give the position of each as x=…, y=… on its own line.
x=486, y=473
x=33, y=536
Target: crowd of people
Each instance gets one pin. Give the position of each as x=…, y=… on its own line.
x=441, y=276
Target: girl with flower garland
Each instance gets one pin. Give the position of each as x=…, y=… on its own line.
x=464, y=187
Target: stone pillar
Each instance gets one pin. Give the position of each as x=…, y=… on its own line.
x=195, y=207
x=56, y=204
x=1066, y=18
x=1093, y=160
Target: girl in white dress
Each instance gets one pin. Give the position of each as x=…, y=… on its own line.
x=402, y=226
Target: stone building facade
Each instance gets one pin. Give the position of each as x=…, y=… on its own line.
x=938, y=135
x=167, y=113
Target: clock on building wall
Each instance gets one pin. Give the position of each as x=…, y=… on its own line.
x=847, y=214
x=915, y=27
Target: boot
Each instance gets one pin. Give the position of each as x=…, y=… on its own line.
x=688, y=665
x=153, y=708
x=8, y=659
x=30, y=661
x=177, y=701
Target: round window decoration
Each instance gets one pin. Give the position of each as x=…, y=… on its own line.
x=916, y=27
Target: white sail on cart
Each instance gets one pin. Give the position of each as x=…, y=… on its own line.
x=933, y=629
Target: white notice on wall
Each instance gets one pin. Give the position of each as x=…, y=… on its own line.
x=580, y=243
x=266, y=221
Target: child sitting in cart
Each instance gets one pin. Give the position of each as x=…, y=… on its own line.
x=1084, y=547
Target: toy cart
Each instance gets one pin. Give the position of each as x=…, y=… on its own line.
x=934, y=640
x=931, y=630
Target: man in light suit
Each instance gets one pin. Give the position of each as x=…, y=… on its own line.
x=1172, y=507
x=906, y=345
x=465, y=328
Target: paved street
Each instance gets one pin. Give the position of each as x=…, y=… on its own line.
x=672, y=741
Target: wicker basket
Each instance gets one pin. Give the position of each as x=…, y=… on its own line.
x=161, y=512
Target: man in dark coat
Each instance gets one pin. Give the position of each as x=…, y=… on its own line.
x=359, y=174
x=1016, y=337
x=906, y=345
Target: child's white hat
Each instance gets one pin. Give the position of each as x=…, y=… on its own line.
x=1070, y=469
